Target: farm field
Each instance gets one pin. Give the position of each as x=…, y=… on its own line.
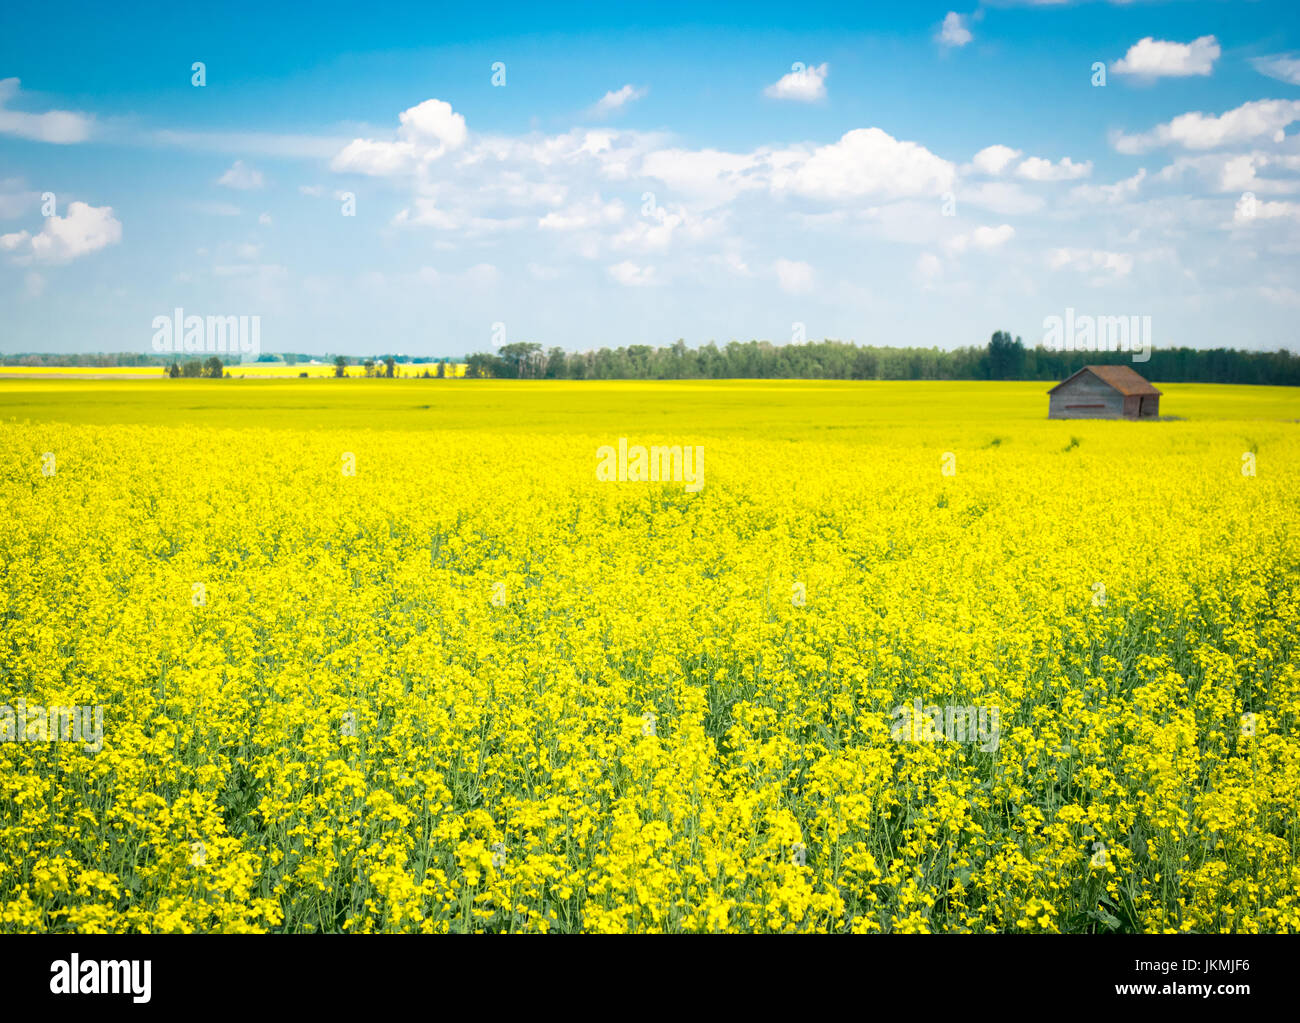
x=389, y=656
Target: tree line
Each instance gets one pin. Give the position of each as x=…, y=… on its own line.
x=1003, y=358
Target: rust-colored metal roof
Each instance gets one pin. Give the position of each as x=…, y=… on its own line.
x=1124, y=379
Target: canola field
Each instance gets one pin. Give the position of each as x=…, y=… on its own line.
x=358, y=656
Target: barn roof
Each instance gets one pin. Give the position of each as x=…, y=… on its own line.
x=1124, y=379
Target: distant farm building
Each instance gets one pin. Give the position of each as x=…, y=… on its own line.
x=1104, y=392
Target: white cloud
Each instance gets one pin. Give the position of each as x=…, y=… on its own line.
x=1283, y=67
x=649, y=234
x=954, y=30
x=593, y=213
x=433, y=122
x=794, y=277
x=264, y=219
x=1035, y=168
x=58, y=126
x=929, y=268
x=708, y=174
x=865, y=162
x=630, y=274
x=805, y=85
x=981, y=238
x=241, y=177
x=1246, y=212
x=480, y=276
x=1158, y=58
x=993, y=160
x=427, y=131
x=1118, y=192
x=378, y=159
x=85, y=229
x=1117, y=264
x=1196, y=130
x=735, y=263
x=617, y=99
x=1005, y=197
x=425, y=212
x=1233, y=172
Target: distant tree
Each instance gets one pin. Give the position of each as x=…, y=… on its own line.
x=442, y=369
x=340, y=366
x=485, y=364
x=174, y=370
x=212, y=368
x=520, y=358
x=390, y=365
x=1006, y=357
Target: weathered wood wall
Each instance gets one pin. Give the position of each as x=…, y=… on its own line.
x=1091, y=397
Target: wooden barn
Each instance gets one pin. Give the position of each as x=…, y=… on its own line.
x=1104, y=392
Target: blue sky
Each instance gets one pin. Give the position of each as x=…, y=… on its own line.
x=932, y=174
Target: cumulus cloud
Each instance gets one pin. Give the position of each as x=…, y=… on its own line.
x=426, y=132
x=1159, y=58
x=805, y=85
x=1037, y=169
x=616, y=100
x=58, y=126
x=794, y=277
x=993, y=160
x=84, y=230
x=1197, y=130
x=954, y=30
x=242, y=177
x=865, y=162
